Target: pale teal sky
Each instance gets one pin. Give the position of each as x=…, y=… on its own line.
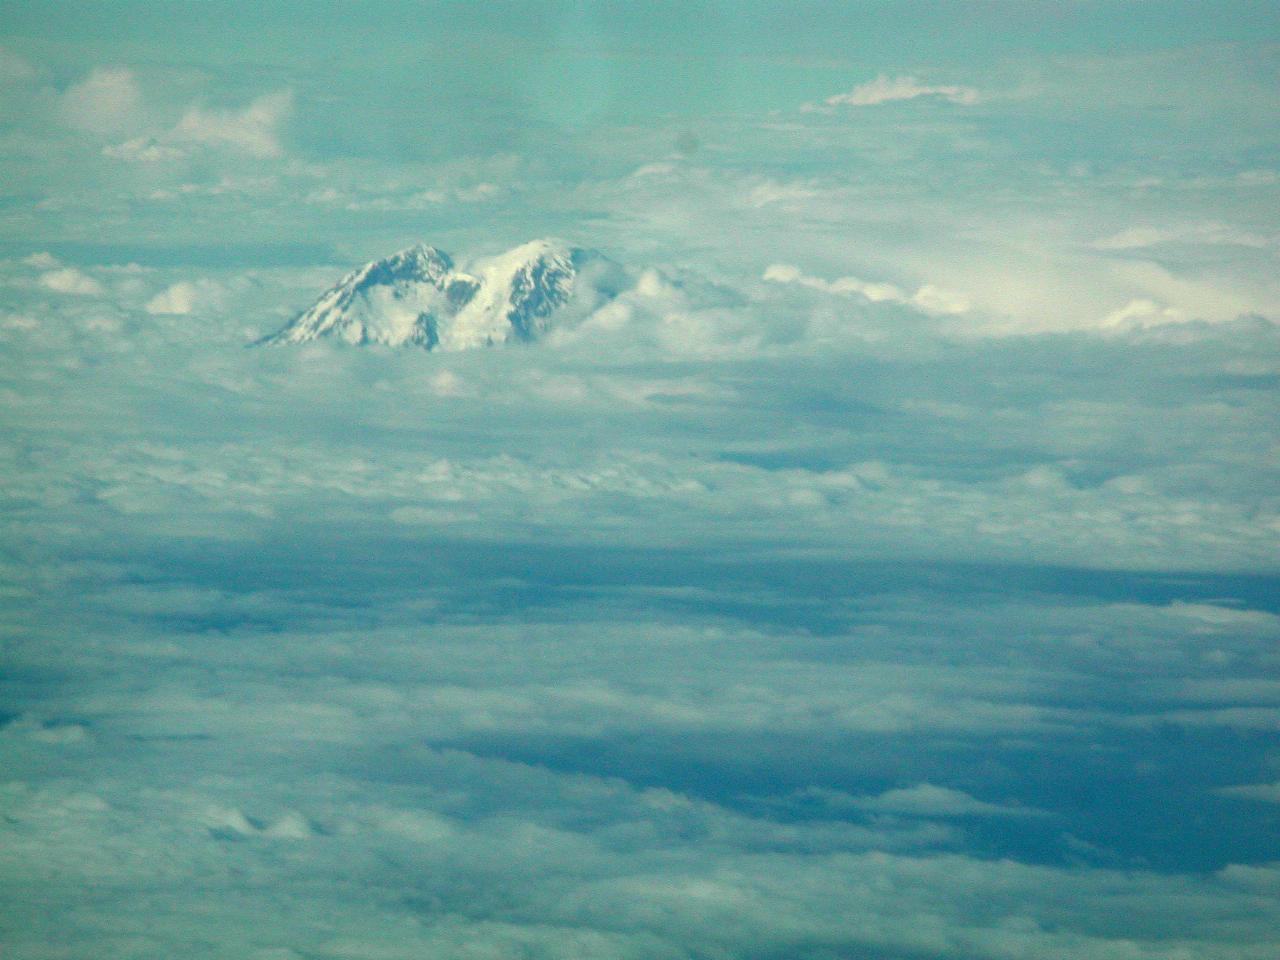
x=699, y=58
x=1139, y=113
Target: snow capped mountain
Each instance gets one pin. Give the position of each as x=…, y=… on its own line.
x=418, y=297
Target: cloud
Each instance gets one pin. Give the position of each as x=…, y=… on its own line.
x=772, y=192
x=927, y=299
x=41, y=259
x=253, y=130
x=661, y=168
x=700, y=629
x=14, y=68
x=885, y=90
x=1140, y=313
x=922, y=800
x=360, y=199
x=111, y=101
x=224, y=821
x=106, y=102
x=1214, y=234
x=618, y=725
x=71, y=280
x=1265, y=792
x=177, y=299
x=143, y=150
x=932, y=299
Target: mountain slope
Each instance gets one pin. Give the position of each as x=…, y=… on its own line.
x=417, y=297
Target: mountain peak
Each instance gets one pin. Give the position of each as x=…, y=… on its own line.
x=417, y=296
x=419, y=262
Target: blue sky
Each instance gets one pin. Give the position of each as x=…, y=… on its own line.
x=888, y=571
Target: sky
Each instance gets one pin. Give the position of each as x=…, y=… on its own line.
x=889, y=572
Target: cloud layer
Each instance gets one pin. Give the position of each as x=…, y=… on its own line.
x=888, y=570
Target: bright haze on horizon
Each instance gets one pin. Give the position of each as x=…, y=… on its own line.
x=639, y=480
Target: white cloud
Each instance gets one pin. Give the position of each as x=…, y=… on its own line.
x=922, y=800
x=1258, y=178
x=928, y=298
x=14, y=68
x=784, y=273
x=771, y=191
x=143, y=150
x=660, y=169
x=1214, y=234
x=415, y=200
x=52, y=732
x=479, y=192
x=231, y=820
x=42, y=260
x=1265, y=792
x=1141, y=312
x=933, y=299
x=325, y=195
x=18, y=321
x=71, y=280
x=446, y=383
x=253, y=130
x=180, y=298
x=107, y=101
x=885, y=90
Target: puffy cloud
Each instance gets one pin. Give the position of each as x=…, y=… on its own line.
x=928, y=298
x=42, y=259
x=885, y=90
x=253, y=130
x=71, y=280
x=110, y=101
x=177, y=299
x=105, y=102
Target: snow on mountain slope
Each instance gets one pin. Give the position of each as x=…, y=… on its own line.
x=417, y=297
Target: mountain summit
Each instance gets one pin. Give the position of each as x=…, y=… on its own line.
x=417, y=297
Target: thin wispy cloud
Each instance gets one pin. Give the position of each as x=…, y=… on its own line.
x=144, y=150
x=884, y=89
x=1262, y=792
x=923, y=800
